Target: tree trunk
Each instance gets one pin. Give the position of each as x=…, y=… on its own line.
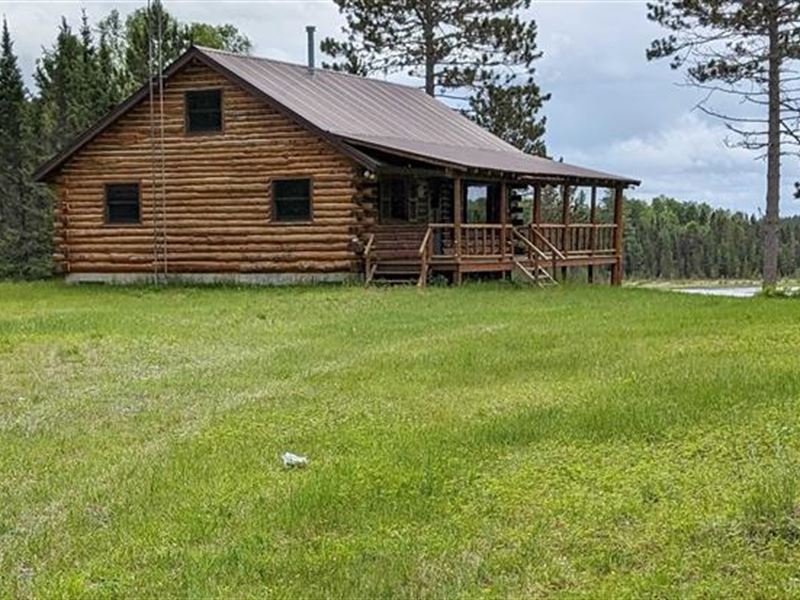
x=430, y=59
x=771, y=221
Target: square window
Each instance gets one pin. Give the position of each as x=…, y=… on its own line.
x=122, y=203
x=204, y=111
x=291, y=200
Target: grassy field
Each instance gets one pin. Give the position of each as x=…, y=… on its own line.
x=483, y=441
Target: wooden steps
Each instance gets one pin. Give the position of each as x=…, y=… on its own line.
x=396, y=254
x=533, y=273
x=397, y=271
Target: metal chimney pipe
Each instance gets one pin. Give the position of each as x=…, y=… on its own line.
x=310, y=29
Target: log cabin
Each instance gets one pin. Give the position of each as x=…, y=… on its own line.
x=235, y=168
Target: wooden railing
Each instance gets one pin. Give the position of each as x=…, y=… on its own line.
x=369, y=266
x=542, y=241
x=487, y=240
x=535, y=254
x=578, y=238
x=425, y=252
x=546, y=242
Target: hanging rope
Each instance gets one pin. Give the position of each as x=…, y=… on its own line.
x=155, y=69
x=163, y=157
x=152, y=138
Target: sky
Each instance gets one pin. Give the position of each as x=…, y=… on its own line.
x=611, y=109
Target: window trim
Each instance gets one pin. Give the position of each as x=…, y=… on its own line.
x=221, y=129
x=272, y=208
x=106, y=222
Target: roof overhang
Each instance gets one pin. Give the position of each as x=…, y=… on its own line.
x=579, y=177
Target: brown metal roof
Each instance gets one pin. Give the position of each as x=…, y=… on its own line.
x=350, y=110
x=390, y=116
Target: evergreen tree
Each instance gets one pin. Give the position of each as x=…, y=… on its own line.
x=482, y=49
x=60, y=78
x=12, y=107
x=111, y=56
x=224, y=37
x=24, y=208
x=79, y=79
x=143, y=24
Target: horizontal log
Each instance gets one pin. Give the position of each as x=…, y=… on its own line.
x=181, y=247
x=215, y=202
x=214, y=267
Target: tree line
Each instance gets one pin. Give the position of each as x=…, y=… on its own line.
x=668, y=239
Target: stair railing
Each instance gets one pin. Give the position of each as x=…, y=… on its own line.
x=534, y=250
x=557, y=254
x=425, y=252
x=369, y=267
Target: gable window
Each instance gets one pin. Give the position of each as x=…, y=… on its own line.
x=291, y=200
x=204, y=111
x=122, y=203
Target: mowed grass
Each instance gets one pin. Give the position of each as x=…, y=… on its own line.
x=483, y=441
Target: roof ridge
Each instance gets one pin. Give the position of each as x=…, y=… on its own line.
x=302, y=66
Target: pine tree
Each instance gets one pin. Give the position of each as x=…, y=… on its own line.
x=12, y=107
x=60, y=78
x=141, y=26
x=176, y=37
x=483, y=49
x=25, y=213
x=112, y=64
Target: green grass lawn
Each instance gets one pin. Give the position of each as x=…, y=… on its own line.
x=481, y=441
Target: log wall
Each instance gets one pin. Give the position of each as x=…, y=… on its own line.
x=218, y=186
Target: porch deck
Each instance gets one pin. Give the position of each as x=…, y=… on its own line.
x=537, y=251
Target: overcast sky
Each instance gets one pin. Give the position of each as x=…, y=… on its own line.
x=611, y=109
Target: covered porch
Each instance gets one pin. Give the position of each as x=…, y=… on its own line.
x=459, y=224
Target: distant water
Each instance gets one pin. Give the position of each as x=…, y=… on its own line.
x=732, y=292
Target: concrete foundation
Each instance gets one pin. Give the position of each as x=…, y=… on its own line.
x=212, y=278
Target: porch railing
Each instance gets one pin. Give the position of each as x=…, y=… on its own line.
x=484, y=240
x=578, y=238
x=493, y=241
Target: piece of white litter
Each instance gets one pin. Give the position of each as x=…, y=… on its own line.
x=293, y=460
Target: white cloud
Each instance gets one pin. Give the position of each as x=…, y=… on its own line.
x=691, y=144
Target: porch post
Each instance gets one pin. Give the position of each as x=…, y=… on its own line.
x=566, y=238
x=503, y=218
x=457, y=218
x=537, y=203
x=616, y=271
x=592, y=231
